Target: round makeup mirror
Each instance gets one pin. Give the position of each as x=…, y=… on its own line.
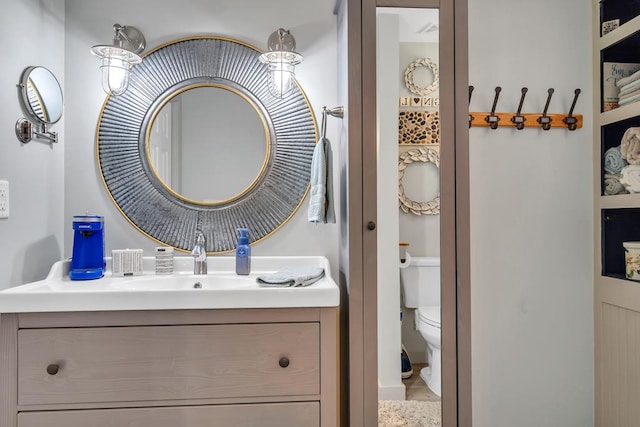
x=192, y=159
x=253, y=162
x=41, y=95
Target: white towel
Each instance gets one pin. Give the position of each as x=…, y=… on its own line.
x=321, y=193
x=630, y=146
x=294, y=277
x=630, y=94
x=626, y=80
x=630, y=87
x=629, y=100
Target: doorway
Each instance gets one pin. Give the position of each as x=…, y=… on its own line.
x=408, y=94
x=453, y=248
x=358, y=251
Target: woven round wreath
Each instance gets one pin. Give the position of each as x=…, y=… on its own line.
x=426, y=155
x=408, y=76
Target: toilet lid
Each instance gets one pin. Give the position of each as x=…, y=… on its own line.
x=429, y=315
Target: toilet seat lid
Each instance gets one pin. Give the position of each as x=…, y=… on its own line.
x=429, y=315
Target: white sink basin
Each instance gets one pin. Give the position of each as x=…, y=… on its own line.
x=221, y=288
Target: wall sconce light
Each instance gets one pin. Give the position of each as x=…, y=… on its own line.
x=281, y=59
x=119, y=57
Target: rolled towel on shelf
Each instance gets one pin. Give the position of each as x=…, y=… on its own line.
x=291, y=278
x=630, y=146
x=612, y=185
x=630, y=178
x=613, y=160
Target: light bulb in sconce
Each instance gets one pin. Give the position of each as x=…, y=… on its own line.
x=119, y=57
x=281, y=60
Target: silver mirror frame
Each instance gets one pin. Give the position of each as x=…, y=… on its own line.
x=34, y=107
x=122, y=137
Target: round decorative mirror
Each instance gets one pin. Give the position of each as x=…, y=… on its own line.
x=41, y=95
x=197, y=143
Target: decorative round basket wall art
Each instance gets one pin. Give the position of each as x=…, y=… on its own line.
x=425, y=155
x=408, y=76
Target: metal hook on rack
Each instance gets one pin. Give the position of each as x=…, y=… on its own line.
x=544, y=120
x=492, y=119
x=334, y=112
x=570, y=120
x=519, y=119
x=470, y=116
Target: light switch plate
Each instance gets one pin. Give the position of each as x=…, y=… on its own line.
x=4, y=198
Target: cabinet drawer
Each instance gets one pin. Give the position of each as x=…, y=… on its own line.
x=305, y=414
x=121, y=364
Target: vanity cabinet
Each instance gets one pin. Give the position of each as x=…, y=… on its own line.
x=235, y=367
x=616, y=220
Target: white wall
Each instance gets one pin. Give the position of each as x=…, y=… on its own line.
x=421, y=180
x=90, y=22
x=531, y=218
x=235, y=153
x=390, y=386
x=31, y=239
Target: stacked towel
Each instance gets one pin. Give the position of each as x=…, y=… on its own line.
x=293, y=277
x=630, y=146
x=613, y=161
x=321, y=194
x=629, y=89
x=632, y=91
x=629, y=79
x=628, y=99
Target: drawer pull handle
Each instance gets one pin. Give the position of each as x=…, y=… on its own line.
x=283, y=362
x=53, y=369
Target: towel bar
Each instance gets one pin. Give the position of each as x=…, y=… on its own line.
x=334, y=112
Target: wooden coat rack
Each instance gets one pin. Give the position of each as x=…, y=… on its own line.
x=519, y=120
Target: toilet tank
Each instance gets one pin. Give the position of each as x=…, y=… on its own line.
x=420, y=281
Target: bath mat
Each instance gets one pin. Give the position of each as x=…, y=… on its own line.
x=409, y=413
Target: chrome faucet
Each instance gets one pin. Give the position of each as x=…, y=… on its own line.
x=199, y=254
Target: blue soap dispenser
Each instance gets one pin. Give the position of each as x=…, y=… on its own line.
x=243, y=253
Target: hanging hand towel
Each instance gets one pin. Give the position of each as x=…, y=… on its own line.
x=321, y=192
x=291, y=278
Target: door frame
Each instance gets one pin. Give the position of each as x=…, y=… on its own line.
x=359, y=258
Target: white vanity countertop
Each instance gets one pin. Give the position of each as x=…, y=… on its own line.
x=220, y=288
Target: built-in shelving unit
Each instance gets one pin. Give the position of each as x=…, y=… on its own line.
x=621, y=45
x=616, y=220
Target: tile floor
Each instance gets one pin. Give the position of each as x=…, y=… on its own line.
x=416, y=389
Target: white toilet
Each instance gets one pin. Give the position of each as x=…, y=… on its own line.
x=420, y=283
